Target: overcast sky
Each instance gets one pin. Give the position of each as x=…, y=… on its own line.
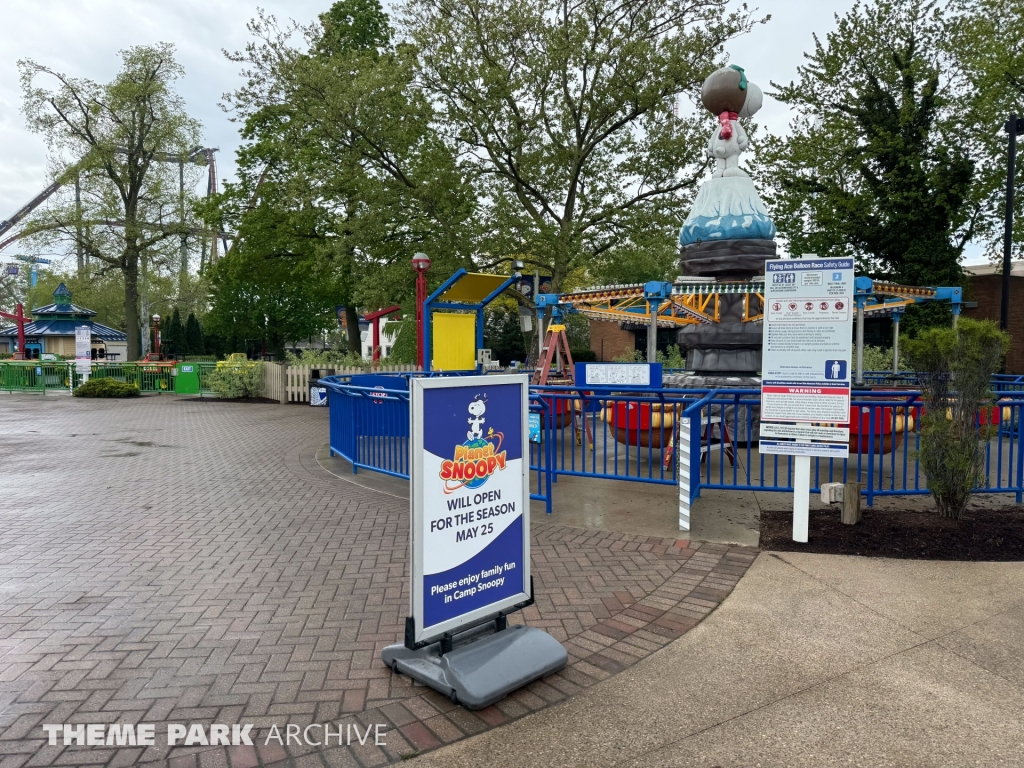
x=82, y=38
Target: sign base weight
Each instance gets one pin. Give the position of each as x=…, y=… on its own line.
x=482, y=668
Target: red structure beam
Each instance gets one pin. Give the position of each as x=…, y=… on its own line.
x=20, y=320
x=374, y=318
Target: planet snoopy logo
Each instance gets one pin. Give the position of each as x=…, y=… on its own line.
x=479, y=457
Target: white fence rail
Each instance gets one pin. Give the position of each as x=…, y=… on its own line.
x=291, y=383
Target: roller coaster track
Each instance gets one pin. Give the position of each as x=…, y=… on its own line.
x=694, y=301
x=72, y=173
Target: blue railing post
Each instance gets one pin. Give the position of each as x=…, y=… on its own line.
x=1015, y=422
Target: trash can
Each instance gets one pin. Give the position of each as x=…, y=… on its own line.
x=317, y=393
x=186, y=379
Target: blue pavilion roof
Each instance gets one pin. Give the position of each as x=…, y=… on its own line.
x=63, y=309
x=65, y=326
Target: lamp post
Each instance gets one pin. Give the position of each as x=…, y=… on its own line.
x=1013, y=126
x=420, y=263
x=156, y=334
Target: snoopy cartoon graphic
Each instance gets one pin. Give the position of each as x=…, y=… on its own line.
x=476, y=417
x=729, y=96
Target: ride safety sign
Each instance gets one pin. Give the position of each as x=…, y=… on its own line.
x=808, y=339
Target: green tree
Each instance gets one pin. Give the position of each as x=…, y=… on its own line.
x=565, y=113
x=113, y=137
x=172, y=335
x=12, y=289
x=195, y=344
x=503, y=334
x=103, y=292
x=986, y=40
x=267, y=295
x=878, y=164
x=955, y=367
x=353, y=179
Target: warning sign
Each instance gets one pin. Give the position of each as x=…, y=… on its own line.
x=808, y=330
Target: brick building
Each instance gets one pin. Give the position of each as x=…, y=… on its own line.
x=609, y=340
x=986, y=288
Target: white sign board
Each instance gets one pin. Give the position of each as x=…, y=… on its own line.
x=83, y=349
x=797, y=448
x=808, y=339
x=83, y=342
x=805, y=432
x=470, y=536
x=620, y=374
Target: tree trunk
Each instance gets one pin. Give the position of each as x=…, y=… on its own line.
x=131, y=305
x=355, y=344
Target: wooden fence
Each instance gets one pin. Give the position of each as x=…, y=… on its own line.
x=290, y=383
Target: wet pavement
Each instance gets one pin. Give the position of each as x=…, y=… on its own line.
x=172, y=560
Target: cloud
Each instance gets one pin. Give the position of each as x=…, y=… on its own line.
x=82, y=38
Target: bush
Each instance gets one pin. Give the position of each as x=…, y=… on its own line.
x=237, y=379
x=631, y=356
x=583, y=355
x=674, y=358
x=107, y=388
x=329, y=358
x=954, y=368
x=879, y=359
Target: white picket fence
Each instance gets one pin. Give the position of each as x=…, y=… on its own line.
x=290, y=383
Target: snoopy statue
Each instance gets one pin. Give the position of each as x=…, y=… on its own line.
x=729, y=96
x=476, y=418
x=727, y=207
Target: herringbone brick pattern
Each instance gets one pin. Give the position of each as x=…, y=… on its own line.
x=171, y=560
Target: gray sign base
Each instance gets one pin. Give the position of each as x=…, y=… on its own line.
x=484, y=670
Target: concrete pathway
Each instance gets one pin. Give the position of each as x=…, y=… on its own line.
x=814, y=660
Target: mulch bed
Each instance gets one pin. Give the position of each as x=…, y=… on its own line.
x=984, y=534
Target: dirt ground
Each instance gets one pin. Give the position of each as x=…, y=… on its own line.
x=985, y=533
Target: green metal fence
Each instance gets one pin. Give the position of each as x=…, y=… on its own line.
x=205, y=369
x=148, y=378
x=39, y=376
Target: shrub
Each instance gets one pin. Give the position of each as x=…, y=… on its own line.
x=674, y=358
x=103, y=387
x=631, y=356
x=879, y=359
x=236, y=379
x=583, y=355
x=954, y=368
x=329, y=358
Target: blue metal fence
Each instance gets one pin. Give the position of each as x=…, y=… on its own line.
x=614, y=435
x=884, y=442
x=369, y=428
x=634, y=435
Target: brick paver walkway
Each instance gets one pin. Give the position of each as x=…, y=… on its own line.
x=170, y=560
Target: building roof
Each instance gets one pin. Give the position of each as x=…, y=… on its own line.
x=1016, y=269
x=63, y=309
x=65, y=326
x=62, y=317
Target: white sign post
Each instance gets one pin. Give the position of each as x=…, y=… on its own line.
x=470, y=541
x=805, y=372
x=83, y=351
